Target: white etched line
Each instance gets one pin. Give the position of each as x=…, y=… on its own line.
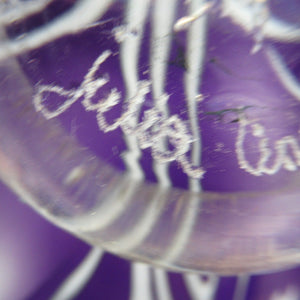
x=243, y=14
x=82, y=14
x=281, y=31
x=197, y=31
x=88, y=89
x=196, y=49
x=261, y=16
x=161, y=39
x=241, y=288
x=184, y=22
x=77, y=280
x=201, y=289
x=145, y=224
x=184, y=230
x=22, y=10
x=38, y=100
x=140, y=282
x=162, y=285
x=108, y=212
x=136, y=15
x=287, y=79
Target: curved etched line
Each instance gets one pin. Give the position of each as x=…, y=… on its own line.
x=182, y=235
x=73, y=21
x=194, y=56
x=242, y=14
x=77, y=280
x=22, y=10
x=136, y=15
x=287, y=79
x=184, y=22
x=162, y=23
x=281, y=31
x=200, y=289
x=108, y=212
x=162, y=27
x=145, y=224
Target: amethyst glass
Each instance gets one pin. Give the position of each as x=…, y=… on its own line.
x=165, y=132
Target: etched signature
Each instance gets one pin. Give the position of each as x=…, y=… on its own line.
x=154, y=127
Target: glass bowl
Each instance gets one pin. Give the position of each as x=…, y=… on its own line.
x=165, y=132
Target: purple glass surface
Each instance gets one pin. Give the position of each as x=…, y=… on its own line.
x=165, y=132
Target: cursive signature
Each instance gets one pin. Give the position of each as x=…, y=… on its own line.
x=154, y=128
